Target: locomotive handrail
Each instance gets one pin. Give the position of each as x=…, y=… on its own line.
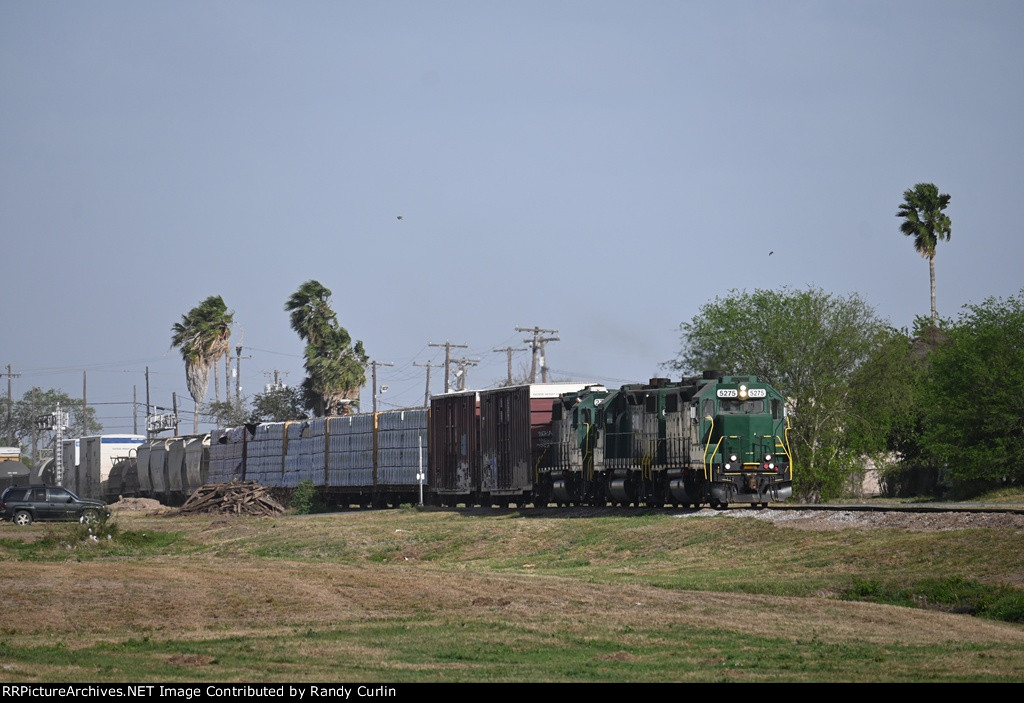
x=788, y=452
x=589, y=475
x=645, y=466
x=707, y=464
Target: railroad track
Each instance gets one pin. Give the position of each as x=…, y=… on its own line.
x=965, y=508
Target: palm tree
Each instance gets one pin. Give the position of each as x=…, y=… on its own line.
x=203, y=336
x=311, y=313
x=925, y=221
x=335, y=370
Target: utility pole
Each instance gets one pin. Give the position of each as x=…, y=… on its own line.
x=135, y=409
x=448, y=346
x=426, y=393
x=277, y=377
x=238, y=374
x=84, y=407
x=461, y=374
x=373, y=366
x=537, y=345
x=10, y=400
x=509, y=351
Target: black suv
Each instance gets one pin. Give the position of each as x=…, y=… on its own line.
x=24, y=504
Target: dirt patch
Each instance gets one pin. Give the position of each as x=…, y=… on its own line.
x=191, y=660
x=139, y=505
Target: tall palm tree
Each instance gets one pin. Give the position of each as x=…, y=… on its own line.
x=203, y=336
x=311, y=314
x=925, y=221
x=335, y=370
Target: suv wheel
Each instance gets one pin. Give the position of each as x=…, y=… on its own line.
x=23, y=517
x=90, y=517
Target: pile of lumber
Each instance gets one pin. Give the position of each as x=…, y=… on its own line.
x=236, y=498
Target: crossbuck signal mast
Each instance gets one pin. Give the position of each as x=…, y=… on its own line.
x=58, y=422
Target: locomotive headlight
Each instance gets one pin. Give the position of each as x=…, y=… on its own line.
x=728, y=466
x=743, y=392
x=767, y=457
x=733, y=457
x=771, y=465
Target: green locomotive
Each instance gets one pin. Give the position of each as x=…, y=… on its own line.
x=711, y=439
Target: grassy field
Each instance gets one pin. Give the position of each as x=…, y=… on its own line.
x=533, y=595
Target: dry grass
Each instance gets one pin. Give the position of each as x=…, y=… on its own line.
x=401, y=595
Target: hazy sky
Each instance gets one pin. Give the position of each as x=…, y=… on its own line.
x=598, y=168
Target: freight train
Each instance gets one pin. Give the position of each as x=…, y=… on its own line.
x=704, y=440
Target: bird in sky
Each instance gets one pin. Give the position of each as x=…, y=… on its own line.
x=400, y=217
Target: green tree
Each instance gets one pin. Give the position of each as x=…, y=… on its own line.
x=335, y=368
x=924, y=220
x=973, y=404
x=229, y=413
x=278, y=404
x=37, y=402
x=888, y=410
x=808, y=344
x=203, y=336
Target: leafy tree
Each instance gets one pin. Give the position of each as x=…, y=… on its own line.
x=278, y=404
x=229, y=413
x=203, y=337
x=335, y=368
x=973, y=404
x=37, y=402
x=924, y=220
x=810, y=345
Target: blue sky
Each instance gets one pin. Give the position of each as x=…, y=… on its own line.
x=599, y=168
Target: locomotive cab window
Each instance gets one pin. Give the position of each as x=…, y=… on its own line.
x=747, y=407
